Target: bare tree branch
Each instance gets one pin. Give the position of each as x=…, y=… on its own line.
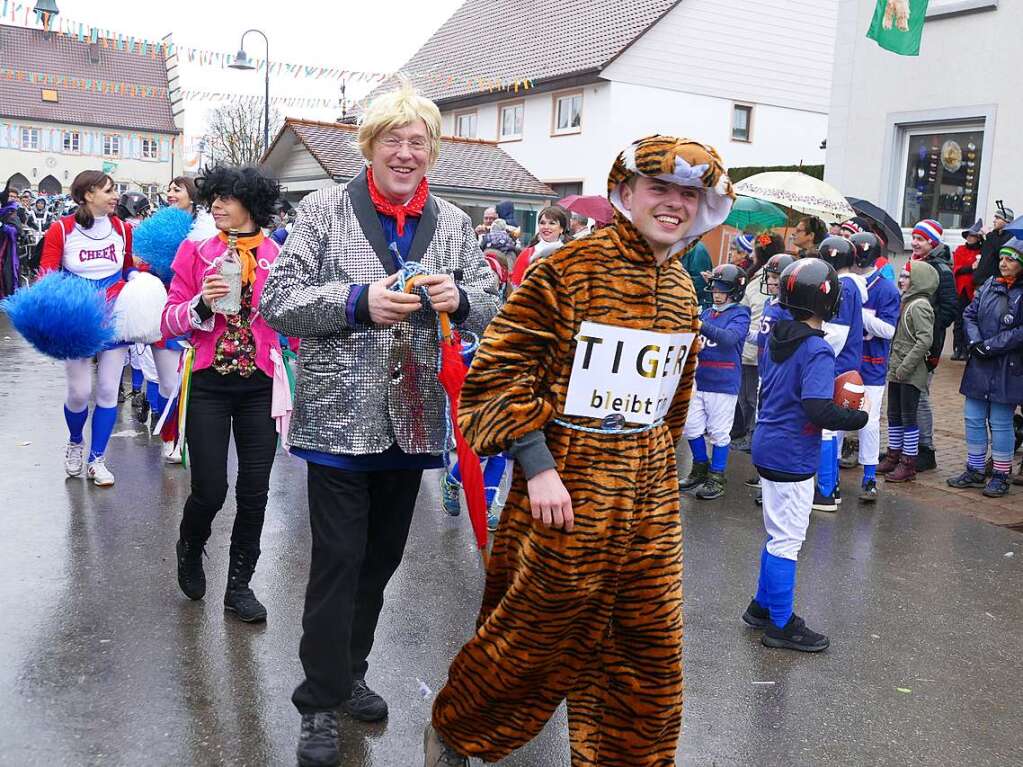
x=235, y=132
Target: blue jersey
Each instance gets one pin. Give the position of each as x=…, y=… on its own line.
x=850, y=314
x=786, y=439
x=722, y=335
x=773, y=313
x=883, y=301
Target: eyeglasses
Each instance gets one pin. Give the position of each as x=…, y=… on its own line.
x=394, y=143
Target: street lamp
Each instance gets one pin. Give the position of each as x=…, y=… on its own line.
x=241, y=61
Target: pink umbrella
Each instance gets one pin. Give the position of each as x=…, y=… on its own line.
x=591, y=206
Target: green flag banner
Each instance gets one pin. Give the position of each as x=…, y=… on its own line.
x=109, y=167
x=898, y=25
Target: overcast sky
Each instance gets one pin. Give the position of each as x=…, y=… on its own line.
x=354, y=35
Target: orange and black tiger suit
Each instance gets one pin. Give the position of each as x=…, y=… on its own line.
x=594, y=615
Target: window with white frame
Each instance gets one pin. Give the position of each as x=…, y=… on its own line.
x=511, y=118
x=465, y=124
x=111, y=145
x=150, y=149
x=152, y=191
x=742, y=122
x=30, y=138
x=122, y=187
x=72, y=141
x=940, y=173
x=568, y=113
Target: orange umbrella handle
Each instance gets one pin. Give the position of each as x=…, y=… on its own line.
x=445, y=321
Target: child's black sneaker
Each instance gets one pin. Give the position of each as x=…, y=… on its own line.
x=753, y=481
x=756, y=616
x=713, y=487
x=794, y=636
x=697, y=475
x=823, y=502
x=968, y=478
x=868, y=491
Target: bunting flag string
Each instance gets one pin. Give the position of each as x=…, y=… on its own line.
x=90, y=85
x=243, y=98
x=155, y=49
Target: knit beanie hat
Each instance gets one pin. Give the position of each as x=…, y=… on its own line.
x=1013, y=249
x=744, y=242
x=930, y=229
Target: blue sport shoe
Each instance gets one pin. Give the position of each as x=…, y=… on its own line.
x=449, y=496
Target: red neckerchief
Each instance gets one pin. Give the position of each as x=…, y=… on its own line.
x=413, y=207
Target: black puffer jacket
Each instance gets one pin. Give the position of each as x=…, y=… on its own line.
x=945, y=301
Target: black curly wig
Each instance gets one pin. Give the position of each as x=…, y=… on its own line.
x=256, y=192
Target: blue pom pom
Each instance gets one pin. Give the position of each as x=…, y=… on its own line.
x=157, y=239
x=63, y=316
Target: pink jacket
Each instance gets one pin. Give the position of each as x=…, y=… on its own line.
x=192, y=262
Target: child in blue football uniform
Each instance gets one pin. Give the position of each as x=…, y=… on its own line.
x=844, y=333
x=723, y=331
x=880, y=315
x=797, y=380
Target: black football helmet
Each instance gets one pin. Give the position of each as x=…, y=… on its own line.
x=867, y=248
x=837, y=251
x=132, y=205
x=776, y=264
x=727, y=278
x=809, y=287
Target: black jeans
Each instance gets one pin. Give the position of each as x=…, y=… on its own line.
x=746, y=404
x=903, y=401
x=360, y=522
x=959, y=329
x=217, y=404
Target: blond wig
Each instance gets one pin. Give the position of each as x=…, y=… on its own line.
x=397, y=109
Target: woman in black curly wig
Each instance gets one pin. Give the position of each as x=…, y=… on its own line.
x=232, y=379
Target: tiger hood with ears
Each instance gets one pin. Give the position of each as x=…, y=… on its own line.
x=678, y=161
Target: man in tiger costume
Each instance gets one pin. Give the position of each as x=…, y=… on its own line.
x=583, y=596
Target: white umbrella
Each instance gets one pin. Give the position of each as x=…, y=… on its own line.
x=800, y=192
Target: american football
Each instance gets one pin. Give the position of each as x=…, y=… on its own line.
x=849, y=390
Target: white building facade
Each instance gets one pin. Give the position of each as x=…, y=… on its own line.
x=929, y=136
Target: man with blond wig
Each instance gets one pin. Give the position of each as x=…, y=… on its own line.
x=369, y=413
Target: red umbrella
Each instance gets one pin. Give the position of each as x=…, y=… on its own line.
x=591, y=206
x=451, y=375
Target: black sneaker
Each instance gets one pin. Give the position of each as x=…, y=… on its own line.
x=838, y=495
x=795, y=636
x=823, y=502
x=743, y=444
x=317, y=742
x=759, y=500
x=243, y=603
x=997, y=486
x=756, y=616
x=968, y=478
x=697, y=475
x=753, y=481
x=868, y=491
x=713, y=487
x=925, y=461
x=365, y=705
x=191, y=577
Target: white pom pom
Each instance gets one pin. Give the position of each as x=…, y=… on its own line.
x=138, y=309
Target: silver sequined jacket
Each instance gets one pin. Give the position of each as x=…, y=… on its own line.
x=361, y=389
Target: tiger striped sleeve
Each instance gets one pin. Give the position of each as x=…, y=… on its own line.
x=507, y=392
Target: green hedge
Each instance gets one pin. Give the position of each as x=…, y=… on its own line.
x=738, y=174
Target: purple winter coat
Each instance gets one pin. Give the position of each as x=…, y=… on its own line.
x=995, y=319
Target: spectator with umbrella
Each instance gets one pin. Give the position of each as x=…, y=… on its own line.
x=988, y=266
x=808, y=235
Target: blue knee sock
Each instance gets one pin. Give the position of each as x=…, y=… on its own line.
x=763, y=598
x=869, y=473
x=103, y=419
x=137, y=379
x=161, y=403
x=699, y=448
x=827, y=468
x=719, y=458
x=152, y=394
x=781, y=589
x=455, y=475
x=75, y=424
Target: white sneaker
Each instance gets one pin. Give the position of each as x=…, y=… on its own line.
x=74, y=459
x=99, y=473
x=171, y=452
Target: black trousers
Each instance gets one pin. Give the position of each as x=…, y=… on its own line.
x=903, y=401
x=218, y=405
x=746, y=404
x=360, y=522
x=958, y=329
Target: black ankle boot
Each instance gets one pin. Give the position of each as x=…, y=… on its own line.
x=191, y=577
x=239, y=598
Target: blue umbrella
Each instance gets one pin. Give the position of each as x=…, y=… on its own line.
x=1015, y=228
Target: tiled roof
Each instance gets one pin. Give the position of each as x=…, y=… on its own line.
x=28, y=50
x=463, y=163
x=509, y=40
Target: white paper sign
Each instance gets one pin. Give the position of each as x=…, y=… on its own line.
x=621, y=371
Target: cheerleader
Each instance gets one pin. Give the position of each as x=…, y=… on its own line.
x=95, y=245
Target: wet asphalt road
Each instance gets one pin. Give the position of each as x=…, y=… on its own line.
x=104, y=662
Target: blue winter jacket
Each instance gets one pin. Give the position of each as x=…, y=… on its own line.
x=994, y=320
